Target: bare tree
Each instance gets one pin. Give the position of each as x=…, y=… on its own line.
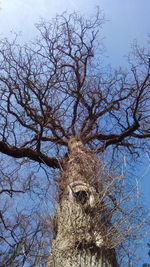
x=61, y=110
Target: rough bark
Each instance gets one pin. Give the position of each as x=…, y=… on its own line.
x=80, y=236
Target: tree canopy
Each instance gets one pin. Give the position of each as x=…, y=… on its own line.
x=56, y=87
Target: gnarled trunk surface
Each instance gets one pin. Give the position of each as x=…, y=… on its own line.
x=80, y=238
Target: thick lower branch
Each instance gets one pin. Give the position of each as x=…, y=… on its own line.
x=29, y=153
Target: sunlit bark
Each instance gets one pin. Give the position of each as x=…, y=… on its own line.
x=80, y=232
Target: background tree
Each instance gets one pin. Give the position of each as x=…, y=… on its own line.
x=62, y=113
x=147, y=264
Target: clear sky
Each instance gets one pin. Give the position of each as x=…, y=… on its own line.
x=127, y=20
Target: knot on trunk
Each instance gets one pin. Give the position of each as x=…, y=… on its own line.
x=81, y=193
x=81, y=197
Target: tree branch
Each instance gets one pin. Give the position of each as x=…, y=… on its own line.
x=111, y=139
x=28, y=152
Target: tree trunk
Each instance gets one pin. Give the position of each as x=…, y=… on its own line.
x=80, y=233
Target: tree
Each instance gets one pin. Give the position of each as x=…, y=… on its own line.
x=147, y=264
x=61, y=110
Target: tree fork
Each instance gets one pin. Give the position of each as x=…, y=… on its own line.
x=80, y=237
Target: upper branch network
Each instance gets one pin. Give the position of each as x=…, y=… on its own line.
x=56, y=88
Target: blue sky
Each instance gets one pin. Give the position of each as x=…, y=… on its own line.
x=127, y=20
